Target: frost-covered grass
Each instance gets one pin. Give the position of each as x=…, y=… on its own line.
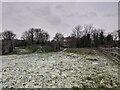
x=58, y=70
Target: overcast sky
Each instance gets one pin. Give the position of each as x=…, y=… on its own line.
x=58, y=17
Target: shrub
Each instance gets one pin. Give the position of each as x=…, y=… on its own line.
x=47, y=49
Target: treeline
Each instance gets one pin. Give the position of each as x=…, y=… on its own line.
x=85, y=36
x=88, y=36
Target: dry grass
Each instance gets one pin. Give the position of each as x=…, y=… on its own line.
x=82, y=51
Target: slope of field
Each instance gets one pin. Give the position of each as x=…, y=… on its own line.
x=58, y=70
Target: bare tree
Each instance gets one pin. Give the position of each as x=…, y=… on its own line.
x=76, y=35
x=109, y=40
x=95, y=38
x=87, y=35
x=25, y=36
x=58, y=41
x=35, y=36
x=77, y=31
x=7, y=35
x=31, y=32
x=46, y=36
x=41, y=37
x=88, y=29
x=38, y=35
x=7, y=41
x=59, y=37
x=101, y=37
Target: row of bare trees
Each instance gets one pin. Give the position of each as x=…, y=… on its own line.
x=81, y=36
x=88, y=36
x=35, y=36
x=30, y=37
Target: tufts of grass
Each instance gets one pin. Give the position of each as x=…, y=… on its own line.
x=82, y=51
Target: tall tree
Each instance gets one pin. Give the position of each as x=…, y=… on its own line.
x=76, y=35
x=95, y=38
x=59, y=38
x=77, y=31
x=7, y=41
x=87, y=35
x=109, y=40
x=101, y=37
x=58, y=41
x=35, y=36
x=7, y=35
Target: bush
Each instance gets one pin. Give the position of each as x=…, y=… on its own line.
x=31, y=49
x=46, y=49
x=39, y=49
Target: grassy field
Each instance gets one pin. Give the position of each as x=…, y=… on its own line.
x=71, y=68
x=89, y=51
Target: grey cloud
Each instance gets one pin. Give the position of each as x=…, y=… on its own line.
x=86, y=15
x=90, y=14
x=26, y=9
x=109, y=15
x=70, y=15
x=44, y=11
x=59, y=8
x=56, y=17
x=54, y=20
